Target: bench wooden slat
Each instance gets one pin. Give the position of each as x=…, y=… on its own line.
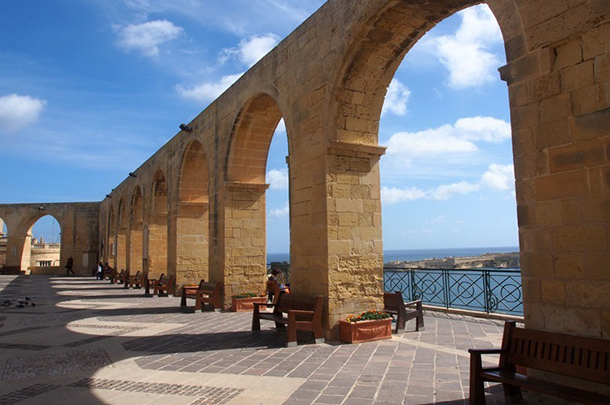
x=545, y=387
x=575, y=357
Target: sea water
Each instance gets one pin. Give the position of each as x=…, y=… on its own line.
x=418, y=254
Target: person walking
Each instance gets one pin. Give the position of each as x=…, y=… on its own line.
x=69, y=265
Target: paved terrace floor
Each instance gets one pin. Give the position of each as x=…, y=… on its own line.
x=90, y=342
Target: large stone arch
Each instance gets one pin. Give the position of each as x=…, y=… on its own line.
x=244, y=214
x=192, y=217
x=155, y=253
x=112, y=238
x=136, y=230
x=121, y=236
x=79, y=224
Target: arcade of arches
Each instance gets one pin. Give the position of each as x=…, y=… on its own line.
x=196, y=208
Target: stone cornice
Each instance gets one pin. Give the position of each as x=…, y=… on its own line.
x=343, y=148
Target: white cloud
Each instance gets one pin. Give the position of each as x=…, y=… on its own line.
x=396, y=99
x=448, y=140
x=278, y=179
x=447, y=191
x=467, y=54
x=251, y=50
x=485, y=129
x=392, y=195
x=17, y=112
x=499, y=177
x=279, y=212
x=147, y=37
x=496, y=178
x=208, y=91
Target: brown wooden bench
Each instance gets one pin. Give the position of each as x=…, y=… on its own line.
x=302, y=313
x=580, y=358
x=208, y=293
x=117, y=276
x=403, y=311
x=188, y=291
x=136, y=281
x=161, y=286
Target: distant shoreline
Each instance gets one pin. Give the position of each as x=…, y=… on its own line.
x=420, y=254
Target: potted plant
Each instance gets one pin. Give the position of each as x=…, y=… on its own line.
x=244, y=301
x=366, y=327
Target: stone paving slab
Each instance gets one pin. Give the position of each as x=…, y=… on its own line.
x=89, y=342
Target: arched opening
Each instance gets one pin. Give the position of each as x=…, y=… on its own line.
x=43, y=247
x=447, y=178
x=192, y=232
x=3, y=243
x=121, y=238
x=245, y=249
x=111, y=243
x=155, y=253
x=136, y=231
x=370, y=66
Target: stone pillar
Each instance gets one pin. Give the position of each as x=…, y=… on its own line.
x=245, y=260
x=355, y=248
x=560, y=109
x=192, y=243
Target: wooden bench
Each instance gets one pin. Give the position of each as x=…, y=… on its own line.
x=188, y=291
x=117, y=276
x=580, y=358
x=208, y=293
x=204, y=293
x=403, y=311
x=302, y=313
x=162, y=286
x=136, y=281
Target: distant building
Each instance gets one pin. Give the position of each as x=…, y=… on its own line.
x=42, y=254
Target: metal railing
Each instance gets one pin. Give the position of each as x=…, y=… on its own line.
x=487, y=290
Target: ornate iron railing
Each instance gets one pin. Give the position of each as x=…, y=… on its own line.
x=487, y=290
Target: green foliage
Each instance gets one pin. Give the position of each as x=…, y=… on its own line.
x=368, y=316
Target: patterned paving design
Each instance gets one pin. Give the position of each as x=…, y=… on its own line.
x=206, y=395
x=26, y=393
x=54, y=364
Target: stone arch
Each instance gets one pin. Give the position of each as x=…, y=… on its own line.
x=378, y=46
x=121, y=236
x=192, y=219
x=3, y=242
x=112, y=233
x=35, y=254
x=155, y=252
x=136, y=229
x=244, y=199
x=250, y=140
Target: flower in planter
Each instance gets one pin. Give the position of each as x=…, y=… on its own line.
x=368, y=316
x=248, y=295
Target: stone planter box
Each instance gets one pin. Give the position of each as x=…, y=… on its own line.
x=365, y=331
x=246, y=304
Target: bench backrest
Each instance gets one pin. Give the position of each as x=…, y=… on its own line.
x=574, y=356
x=299, y=302
x=393, y=301
x=210, y=287
x=165, y=280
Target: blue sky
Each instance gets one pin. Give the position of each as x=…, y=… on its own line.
x=89, y=89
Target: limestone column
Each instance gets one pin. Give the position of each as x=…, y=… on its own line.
x=243, y=244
